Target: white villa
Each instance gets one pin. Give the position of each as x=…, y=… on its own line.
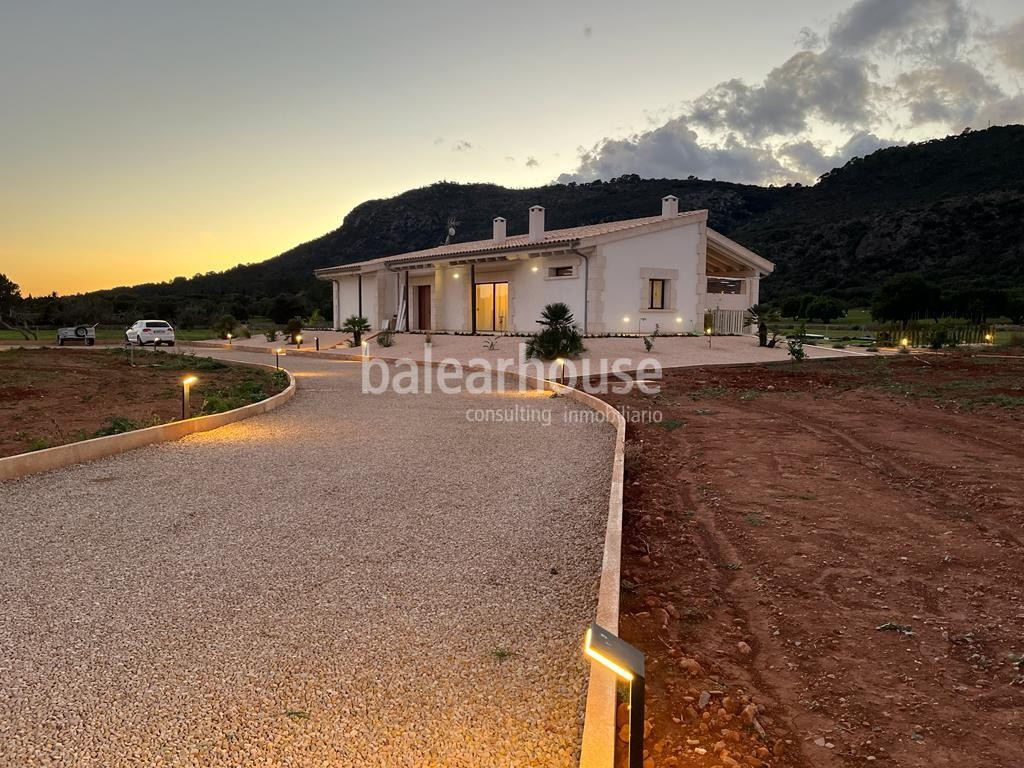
x=671, y=270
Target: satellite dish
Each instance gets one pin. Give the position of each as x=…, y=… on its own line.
x=451, y=231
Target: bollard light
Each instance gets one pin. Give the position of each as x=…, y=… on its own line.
x=628, y=665
x=277, y=358
x=988, y=338
x=366, y=350
x=298, y=341
x=186, y=386
x=561, y=369
x=904, y=342
x=229, y=339
x=316, y=340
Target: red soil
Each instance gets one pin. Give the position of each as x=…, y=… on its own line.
x=787, y=514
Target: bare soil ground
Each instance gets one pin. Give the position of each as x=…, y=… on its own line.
x=824, y=563
x=51, y=397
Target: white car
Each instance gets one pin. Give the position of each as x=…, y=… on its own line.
x=155, y=332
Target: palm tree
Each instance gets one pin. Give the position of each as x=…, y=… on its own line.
x=557, y=315
x=357, y=326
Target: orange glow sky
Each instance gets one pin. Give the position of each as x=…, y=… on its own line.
x=142, y=141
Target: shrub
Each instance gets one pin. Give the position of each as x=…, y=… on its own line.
x=116, y=426
x=271, y=334
x=227, y=324
x=293, y=328
x=559, y=336
x=648, y=343
x=795, y=345
x=632, y=457
x=357, y=326
x=386, y=338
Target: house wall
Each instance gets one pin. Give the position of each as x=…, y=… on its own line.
x=619, y=289
x=347, y=298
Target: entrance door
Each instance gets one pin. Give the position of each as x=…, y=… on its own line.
x=423, y=307
x=492, y=306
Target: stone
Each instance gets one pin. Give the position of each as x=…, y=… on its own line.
x=743, y=648
x=694, y=668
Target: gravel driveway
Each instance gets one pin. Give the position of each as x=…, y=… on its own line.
x=349, y=580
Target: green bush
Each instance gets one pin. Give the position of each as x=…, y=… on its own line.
x=271, y=334
x=293, y=328
x=227, y=324
x=116, y=426
x=386, y=338
x=559, y=336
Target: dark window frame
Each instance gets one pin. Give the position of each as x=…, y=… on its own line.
x=650, y=292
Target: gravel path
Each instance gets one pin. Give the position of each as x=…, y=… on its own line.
x=349, y=580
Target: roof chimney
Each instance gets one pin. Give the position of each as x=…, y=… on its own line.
x=669, y=206
x=536, y=224
x=499, y=229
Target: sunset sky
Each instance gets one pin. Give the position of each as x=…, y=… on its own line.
x=144, y=140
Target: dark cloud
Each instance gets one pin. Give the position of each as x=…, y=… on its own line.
x=921, y=28
x=532, y=162
x=835, y=88
x=671, y=151
x=810, y=159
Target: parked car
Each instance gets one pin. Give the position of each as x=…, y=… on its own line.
x=155, y=332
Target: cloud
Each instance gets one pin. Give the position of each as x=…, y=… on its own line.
x=917, y=28
x=948, y=93
x=509, y=159
x=904, y=69
x=532, y=162
x=588, y=31
x=833, y=87
x=811, y=159
x=461, y=146
x=1008, y=46
x=674, y=150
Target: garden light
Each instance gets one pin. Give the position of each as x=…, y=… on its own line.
x=229, y=340
x=186, y=385
x=904, y=342
x=277, y=358
x=988, y=338
x=298, y=341
x=628, y=665
x=561, y=370
x=316, y=340
x=366, y=350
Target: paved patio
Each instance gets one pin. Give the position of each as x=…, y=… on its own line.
x=351, y=580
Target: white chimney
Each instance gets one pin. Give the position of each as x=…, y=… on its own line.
x=669, y=207
x=536, y=224
x=499, y=229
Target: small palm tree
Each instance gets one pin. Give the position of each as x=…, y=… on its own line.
x=556, y=315
x=357, y=326
x=559, y=336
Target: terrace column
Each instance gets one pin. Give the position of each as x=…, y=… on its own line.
x=336, y=304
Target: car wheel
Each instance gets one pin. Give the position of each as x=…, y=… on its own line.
x=170, y=343
x=60, y=342
x=90, y=342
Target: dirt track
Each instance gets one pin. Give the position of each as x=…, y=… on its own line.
x=796, y=509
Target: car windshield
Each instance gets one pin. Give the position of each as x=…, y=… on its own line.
x=158, y=324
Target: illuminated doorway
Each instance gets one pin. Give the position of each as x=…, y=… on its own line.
x=492, y=306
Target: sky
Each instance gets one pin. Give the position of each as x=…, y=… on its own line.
x=142, y=140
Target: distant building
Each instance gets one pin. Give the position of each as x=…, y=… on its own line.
x=619, y=277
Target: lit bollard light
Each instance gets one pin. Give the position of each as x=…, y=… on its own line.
x=628, y=665
x=186, y=387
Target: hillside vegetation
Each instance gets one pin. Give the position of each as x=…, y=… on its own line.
x=951, y=209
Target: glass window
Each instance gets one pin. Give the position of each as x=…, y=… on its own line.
x=561, y=271
x=657, y=294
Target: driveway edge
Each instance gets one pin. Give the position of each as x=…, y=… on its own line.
x=13, y=467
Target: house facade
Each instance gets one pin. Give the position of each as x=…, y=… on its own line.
x=671, y=271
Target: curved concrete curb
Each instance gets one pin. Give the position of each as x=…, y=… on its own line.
x=12, y=467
